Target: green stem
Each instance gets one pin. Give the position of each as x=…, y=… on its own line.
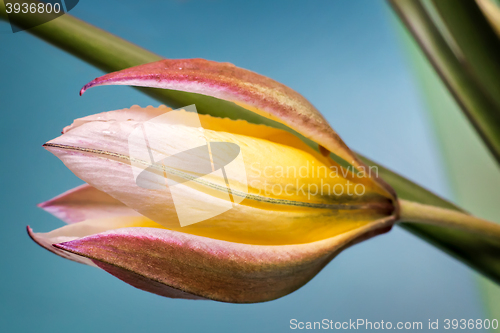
x=96, y=46
x=419, y=213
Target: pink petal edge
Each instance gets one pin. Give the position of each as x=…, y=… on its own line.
x=158, y=260
x=85, y=202
x=226, y=81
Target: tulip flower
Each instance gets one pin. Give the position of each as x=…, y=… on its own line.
x=290, y=221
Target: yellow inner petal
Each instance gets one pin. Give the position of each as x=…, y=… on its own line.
x=295, y=195
x=294, y=230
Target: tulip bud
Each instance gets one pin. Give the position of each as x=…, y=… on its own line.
x=194, y=206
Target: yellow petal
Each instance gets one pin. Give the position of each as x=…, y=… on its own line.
x=293, y=195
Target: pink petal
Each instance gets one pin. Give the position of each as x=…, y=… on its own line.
x=46, y=240
x=246, y=88
x=85, y=202
x=158, y=260
x=86, y=228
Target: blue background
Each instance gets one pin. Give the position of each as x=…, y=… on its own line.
x=344, y=56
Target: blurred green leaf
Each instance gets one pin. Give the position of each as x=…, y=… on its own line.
x=470, y=168
x=111, y=53
x=465, y=51
x=491, y=9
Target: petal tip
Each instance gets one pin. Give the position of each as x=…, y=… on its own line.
x=89, y=85
x=83, y=89
x=62, y=246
